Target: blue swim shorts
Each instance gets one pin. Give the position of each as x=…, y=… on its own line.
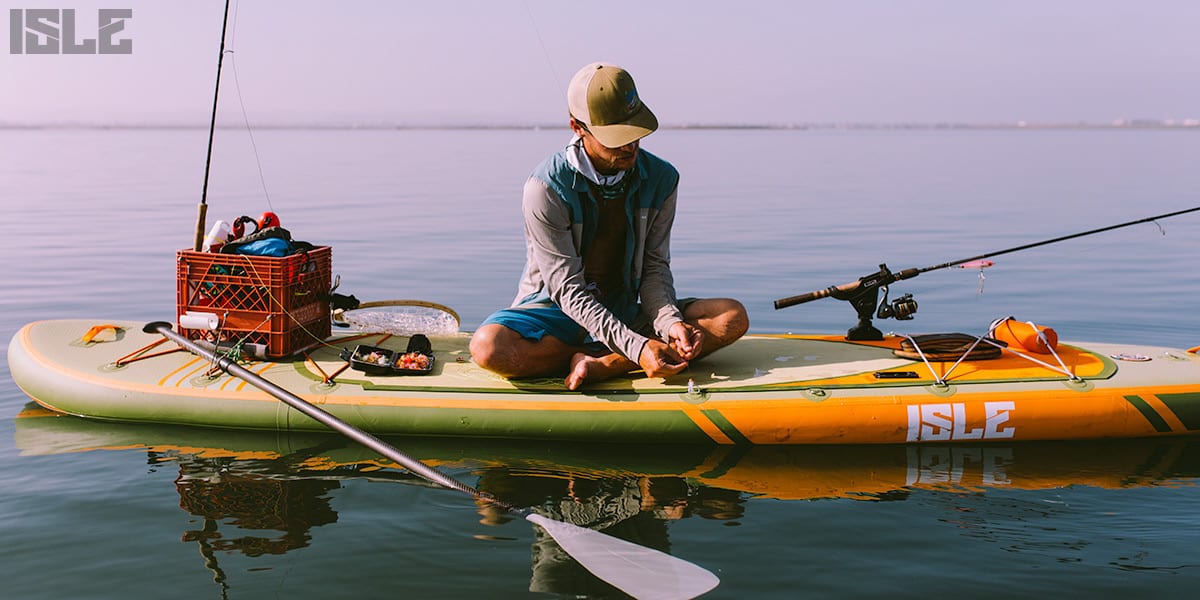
x=533, y=322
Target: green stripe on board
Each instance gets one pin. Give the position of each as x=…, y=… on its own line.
x=1155, y=419
x=1185, y=406
x=672, y=426
x=725, y=426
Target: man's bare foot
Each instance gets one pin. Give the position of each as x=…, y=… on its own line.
x=585, y=367
x=580, y=367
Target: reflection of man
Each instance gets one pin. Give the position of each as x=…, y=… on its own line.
x=633, y=509
x=597, y=298
x=613, y=506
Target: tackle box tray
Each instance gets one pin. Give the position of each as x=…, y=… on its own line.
x=374, y=360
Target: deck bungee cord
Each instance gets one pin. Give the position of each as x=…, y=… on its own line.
x=974, y=347
x=863, y=294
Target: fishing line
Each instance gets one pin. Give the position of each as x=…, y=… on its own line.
x=545, y=51
x=237, y=88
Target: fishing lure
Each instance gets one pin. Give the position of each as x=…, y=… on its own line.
x=981, y=265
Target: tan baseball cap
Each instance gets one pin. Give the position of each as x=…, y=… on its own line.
x=604, y=98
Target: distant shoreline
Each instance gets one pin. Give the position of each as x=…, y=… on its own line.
x=1139, y=124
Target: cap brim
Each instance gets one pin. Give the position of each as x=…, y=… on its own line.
x=637, y=127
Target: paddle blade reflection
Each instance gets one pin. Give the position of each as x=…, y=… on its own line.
x=639, y=571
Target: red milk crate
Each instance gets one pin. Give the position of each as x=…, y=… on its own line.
x=280, y=303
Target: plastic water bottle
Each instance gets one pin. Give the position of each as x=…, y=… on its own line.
x=217, y=236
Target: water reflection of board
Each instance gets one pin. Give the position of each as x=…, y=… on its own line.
x=241, y=459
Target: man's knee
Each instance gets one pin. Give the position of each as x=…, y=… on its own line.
x=725, y=317
x=486, y=348
x=736, y=319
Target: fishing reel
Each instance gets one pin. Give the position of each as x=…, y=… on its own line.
x=864, y=296
x=864, y=301
x=901, y=309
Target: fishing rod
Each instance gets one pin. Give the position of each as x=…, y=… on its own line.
x=202, y=209
x=863, y=294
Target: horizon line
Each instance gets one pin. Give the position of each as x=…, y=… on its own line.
x=1189, y=123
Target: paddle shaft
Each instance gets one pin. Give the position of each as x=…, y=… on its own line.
x=384, y=449
x=849, y=288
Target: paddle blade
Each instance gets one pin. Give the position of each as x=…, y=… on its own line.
x=641, y=572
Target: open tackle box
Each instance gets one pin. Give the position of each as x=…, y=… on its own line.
x=417, y=358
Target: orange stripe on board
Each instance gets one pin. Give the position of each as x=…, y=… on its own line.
x=163, y=381
x=264, y=369
x=237, y=380
x=1165, y=412
x=706, y=425
x=231, y=379
x=195, y=372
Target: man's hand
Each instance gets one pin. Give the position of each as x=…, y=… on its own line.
x=660, y=360
x=686, y=340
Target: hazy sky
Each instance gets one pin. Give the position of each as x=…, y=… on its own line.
x=507, y=62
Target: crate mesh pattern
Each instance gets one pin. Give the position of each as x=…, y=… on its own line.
x=281, y=303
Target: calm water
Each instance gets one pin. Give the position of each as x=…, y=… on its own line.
x=92, y=220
